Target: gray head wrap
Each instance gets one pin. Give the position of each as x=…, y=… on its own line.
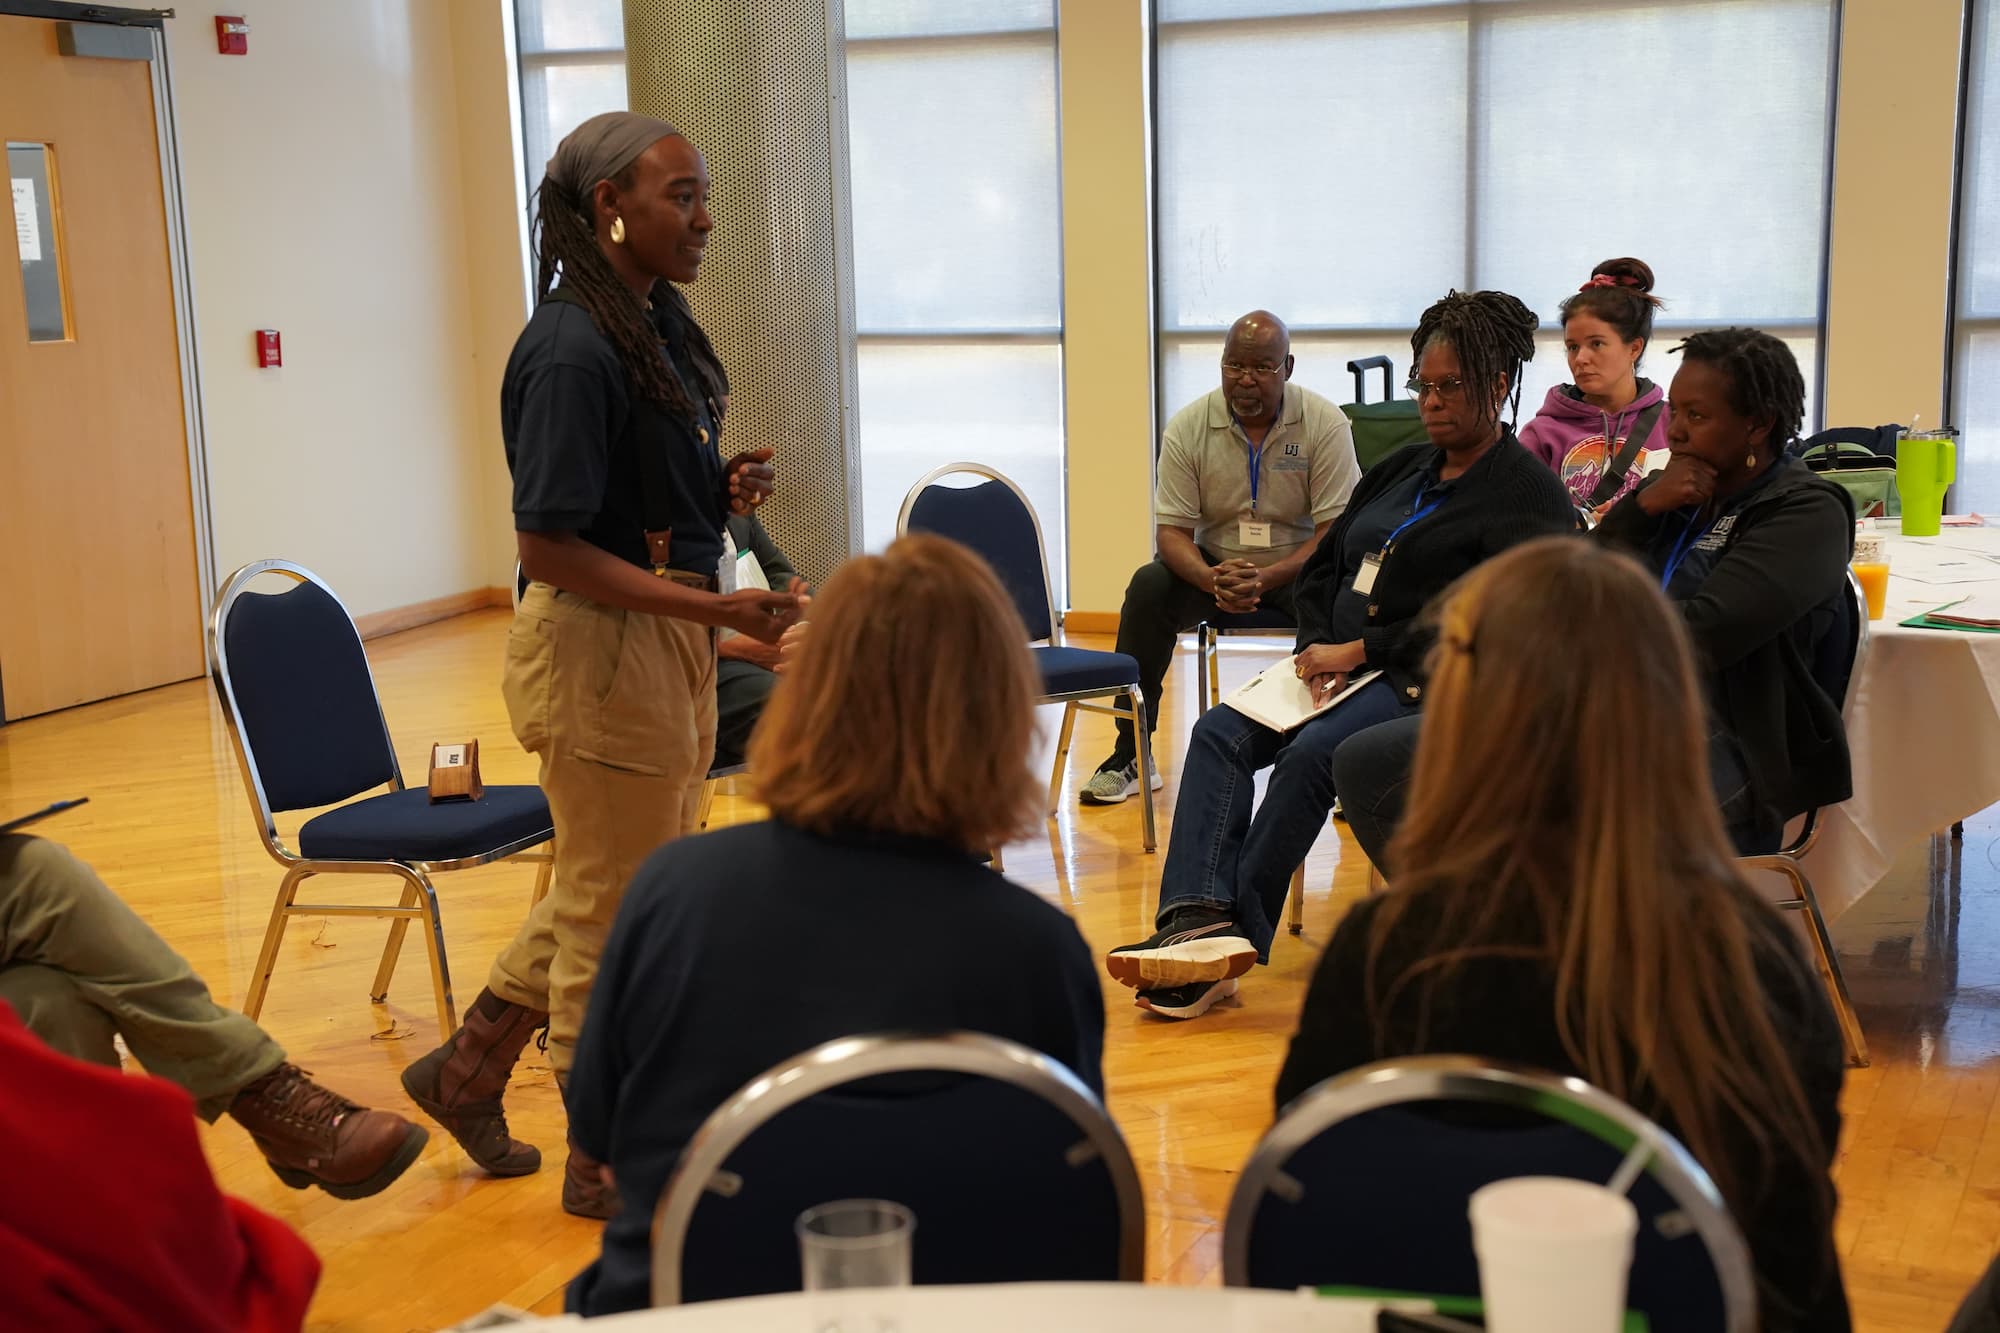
x=602, y=147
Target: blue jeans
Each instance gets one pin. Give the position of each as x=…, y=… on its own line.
x=1219, y=856
x=1373, y=774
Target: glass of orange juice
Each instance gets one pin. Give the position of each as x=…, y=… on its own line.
x=1871, y=568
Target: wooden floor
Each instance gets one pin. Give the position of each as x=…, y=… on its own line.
x=169, y=827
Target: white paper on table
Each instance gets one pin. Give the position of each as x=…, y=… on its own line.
x=1941, y=565
x=1980, y=606
x=1275, y=697
x=27, y=221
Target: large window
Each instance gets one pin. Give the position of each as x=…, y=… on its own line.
x=1343, y=164
x=1975, y=368
x=957, y=248
x=572, y=68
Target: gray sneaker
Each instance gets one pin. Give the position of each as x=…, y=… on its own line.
x=1109, y=786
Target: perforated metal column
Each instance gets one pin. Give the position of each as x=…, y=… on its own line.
x=760, y=87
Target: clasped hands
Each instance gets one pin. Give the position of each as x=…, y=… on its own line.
x=1325, y=667
x=1239, y=586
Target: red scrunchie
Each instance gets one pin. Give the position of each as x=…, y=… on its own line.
x=1607, y=280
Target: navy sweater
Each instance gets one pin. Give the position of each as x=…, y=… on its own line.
x=1505, y=498
x=740, y=949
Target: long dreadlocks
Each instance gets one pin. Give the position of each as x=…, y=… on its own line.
x=565, y=248
x=1764, y=379
x=1493, y=334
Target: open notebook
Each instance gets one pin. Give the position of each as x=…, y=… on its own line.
x=1278, y=699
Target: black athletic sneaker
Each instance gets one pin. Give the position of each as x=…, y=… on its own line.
x=1183, y=1002
x=1196, y=944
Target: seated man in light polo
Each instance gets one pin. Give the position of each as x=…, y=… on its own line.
x=1251, y=475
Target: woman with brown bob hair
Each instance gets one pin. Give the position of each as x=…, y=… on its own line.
x=1585, y=915
x=893, y=752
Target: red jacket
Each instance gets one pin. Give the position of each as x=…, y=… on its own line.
x=109, y=1218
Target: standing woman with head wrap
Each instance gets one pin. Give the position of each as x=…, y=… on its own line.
x=610, y=408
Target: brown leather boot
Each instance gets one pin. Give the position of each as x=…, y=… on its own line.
x=311, y=1136
x=585, y=1191
x=459, y=1084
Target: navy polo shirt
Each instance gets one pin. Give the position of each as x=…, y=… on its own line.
x=574, y=424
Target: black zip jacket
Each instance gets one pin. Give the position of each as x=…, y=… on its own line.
x=1772, y=625
x=1509, y=496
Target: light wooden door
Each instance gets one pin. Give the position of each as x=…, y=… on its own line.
x=99, y=593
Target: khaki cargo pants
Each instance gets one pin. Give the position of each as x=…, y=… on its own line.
x=620, y=708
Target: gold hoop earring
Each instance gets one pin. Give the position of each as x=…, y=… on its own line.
x=618, y=231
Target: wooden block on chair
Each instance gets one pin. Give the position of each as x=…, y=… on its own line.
x=455, y=773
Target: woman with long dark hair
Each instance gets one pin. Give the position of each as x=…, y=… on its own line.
x=611, y=406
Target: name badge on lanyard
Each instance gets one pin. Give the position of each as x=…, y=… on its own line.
x=1250, y=533
x=1371, y=564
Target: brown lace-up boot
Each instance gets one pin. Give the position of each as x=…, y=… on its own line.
x=587, y=1190
x=312, y=1136
x=459, y=1084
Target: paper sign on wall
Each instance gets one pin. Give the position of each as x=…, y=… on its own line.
x=27, y=221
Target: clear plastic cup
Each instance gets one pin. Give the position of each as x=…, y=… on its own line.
x=1553, y=1255
x=856, y=1254
x=1871, y=570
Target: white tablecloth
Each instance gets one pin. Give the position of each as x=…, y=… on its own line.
x=1923, y=722
x=1042, y=1307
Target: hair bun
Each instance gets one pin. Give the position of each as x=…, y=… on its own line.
x=1625, y=272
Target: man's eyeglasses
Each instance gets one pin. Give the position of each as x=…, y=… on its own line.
x=1445, y=388
x=1236, y=370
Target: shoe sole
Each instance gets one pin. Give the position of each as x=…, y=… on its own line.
x=436, y=1111
x=399, y=1161
x=1210, y=998
x=1217, y=958
x=1131, y=789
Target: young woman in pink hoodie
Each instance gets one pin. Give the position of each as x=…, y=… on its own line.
x=1583, y=427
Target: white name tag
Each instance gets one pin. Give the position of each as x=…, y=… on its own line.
x=1364, y=577
x=1249, y=534
x=725, y=568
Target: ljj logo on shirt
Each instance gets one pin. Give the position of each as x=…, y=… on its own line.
x=1715, y=537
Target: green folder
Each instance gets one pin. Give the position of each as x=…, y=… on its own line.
x=1927, y=621
x=1461, y=1307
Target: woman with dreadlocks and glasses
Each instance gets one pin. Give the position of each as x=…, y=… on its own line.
x=1753, y=548
x=1417, y=520
x=610, y=408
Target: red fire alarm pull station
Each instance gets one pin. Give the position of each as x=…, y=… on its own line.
x=232, y=35
x=268, y=352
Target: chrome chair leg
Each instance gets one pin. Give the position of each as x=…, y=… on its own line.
x=426, y=896
x=1210, y=669
x=274, y=933
x=542, y=877
x=393, y=950
x=1143, y=735
x=1062, y=756
x=1825, y=959
x=1829, y=967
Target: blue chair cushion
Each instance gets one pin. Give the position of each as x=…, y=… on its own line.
x=405, y=826
x=1067, y=670
x=1261, y=618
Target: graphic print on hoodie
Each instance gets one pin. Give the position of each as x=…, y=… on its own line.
x=1579, y=441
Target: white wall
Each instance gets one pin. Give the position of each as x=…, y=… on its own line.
x=322, y=176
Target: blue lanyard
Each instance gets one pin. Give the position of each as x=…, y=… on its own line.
x=1687, y=541
x=1418, y=515
x=1256, y=470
